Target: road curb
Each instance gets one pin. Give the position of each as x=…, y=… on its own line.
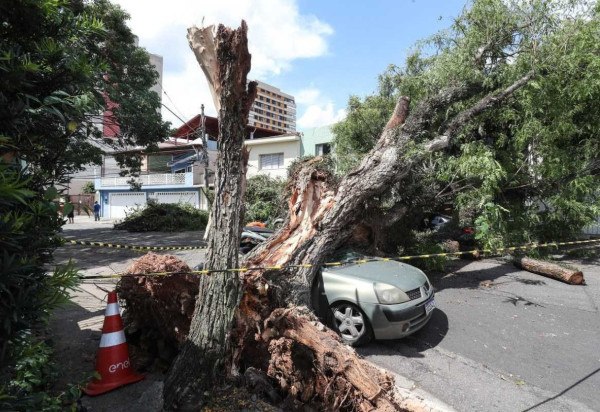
x=416, y=399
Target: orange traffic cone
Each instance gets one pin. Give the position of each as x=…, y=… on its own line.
x=112, y=361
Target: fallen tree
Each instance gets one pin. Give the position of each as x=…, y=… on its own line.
x=551, y=270
x=256, y=318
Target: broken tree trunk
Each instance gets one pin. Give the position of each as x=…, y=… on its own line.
x=551, y=270
x=224, y=58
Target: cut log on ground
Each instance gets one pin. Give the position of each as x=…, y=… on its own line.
x=551, y=270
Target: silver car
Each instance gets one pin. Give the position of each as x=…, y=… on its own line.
x=381, y=299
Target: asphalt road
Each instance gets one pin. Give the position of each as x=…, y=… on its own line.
x=501, y=339
x=505, y=340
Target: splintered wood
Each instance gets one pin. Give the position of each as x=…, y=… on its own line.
x=311, y=363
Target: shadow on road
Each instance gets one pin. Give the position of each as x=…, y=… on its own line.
x=428, y=337
x=563, y=391
x=459, y=275
x=76, y=336
x=93, y=257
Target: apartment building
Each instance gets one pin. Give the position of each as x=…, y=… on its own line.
x=273, y=110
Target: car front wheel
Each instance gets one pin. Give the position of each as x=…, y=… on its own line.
x=351, y=323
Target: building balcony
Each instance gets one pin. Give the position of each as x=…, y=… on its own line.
x=162, y=180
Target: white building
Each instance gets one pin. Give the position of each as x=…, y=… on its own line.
x=272, y=155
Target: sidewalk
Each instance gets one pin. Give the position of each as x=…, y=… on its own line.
x=77, y=329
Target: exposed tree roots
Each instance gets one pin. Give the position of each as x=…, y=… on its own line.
x=164, y=304
x=305, y=361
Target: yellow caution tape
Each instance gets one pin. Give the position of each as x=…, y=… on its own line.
x=474, y=252
x=130, y=247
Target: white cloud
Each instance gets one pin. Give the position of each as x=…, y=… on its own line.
x=307, y=96
x=278, y=34
x=321, y=115
x=318, y=110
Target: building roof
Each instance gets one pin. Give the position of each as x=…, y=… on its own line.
x=186, y=136
x=190, y=129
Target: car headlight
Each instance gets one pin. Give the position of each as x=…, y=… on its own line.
x=388, y=294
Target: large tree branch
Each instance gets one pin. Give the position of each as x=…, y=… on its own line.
x=489, y=101
x=422, y=115
x=400, y=113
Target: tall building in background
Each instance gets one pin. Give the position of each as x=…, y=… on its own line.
x=273, y=110
x=106, y=123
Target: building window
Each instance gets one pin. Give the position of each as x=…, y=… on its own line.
x=322, y=149
x=271, y=161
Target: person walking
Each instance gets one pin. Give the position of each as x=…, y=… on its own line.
x=71, y=216
x=71, y=211
x=96, y=211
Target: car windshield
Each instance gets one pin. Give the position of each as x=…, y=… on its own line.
x=345, y=255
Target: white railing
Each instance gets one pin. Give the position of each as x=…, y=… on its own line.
x=146, y=180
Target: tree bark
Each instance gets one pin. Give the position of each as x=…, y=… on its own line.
x=201, y=363
x=551, y=270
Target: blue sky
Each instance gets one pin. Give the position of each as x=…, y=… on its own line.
x=319, y=51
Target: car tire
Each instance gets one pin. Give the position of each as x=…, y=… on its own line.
x=351, y=323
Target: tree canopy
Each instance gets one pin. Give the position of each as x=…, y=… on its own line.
x=62, y=62
x=526, y=170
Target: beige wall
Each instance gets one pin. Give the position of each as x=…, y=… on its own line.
x=290, y=148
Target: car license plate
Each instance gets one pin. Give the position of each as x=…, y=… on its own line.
x=429, y=306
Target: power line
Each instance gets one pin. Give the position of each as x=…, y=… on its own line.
x=171, y=100
x=175, y=114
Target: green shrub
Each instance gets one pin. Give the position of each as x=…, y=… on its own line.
x=425, y=243
x=265, y=199
x=88, y=188
x=29, y=226
x=32, y=374
x=164, y=217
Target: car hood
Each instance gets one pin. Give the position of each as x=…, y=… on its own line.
x=401, y=275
